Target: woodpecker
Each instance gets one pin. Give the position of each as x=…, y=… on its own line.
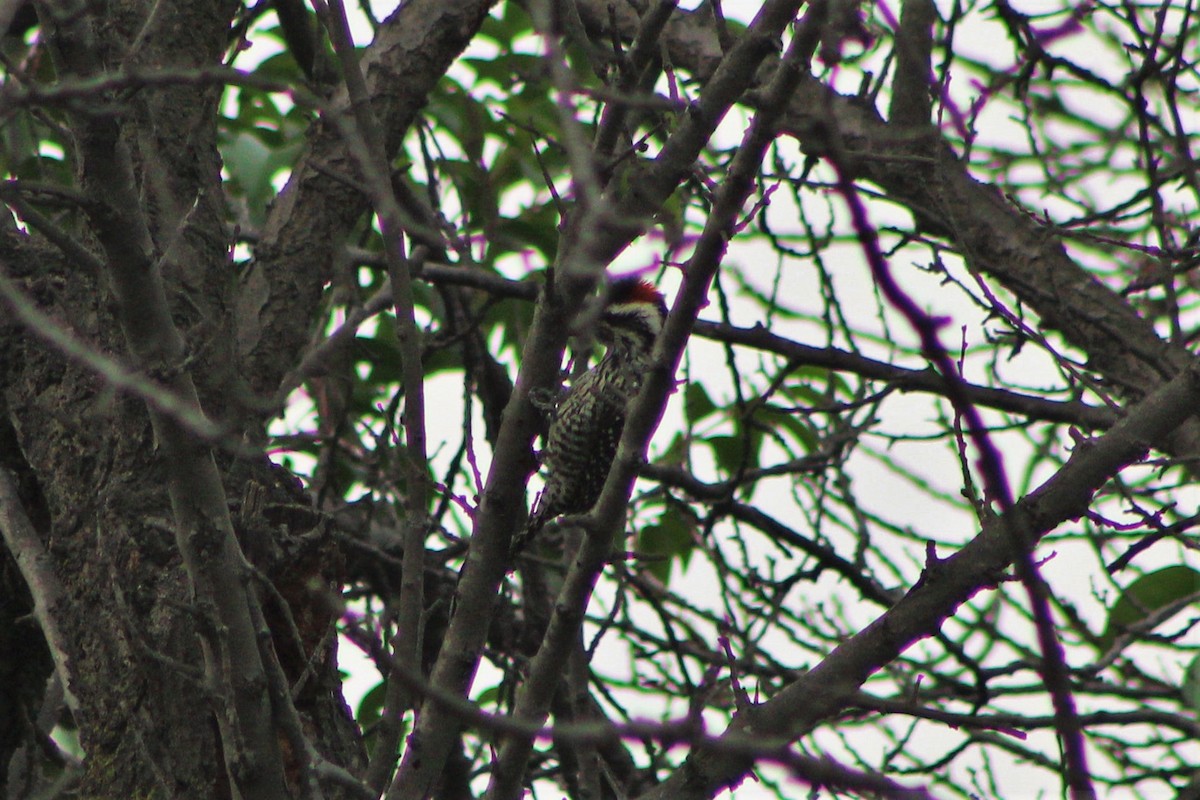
x=587, y=425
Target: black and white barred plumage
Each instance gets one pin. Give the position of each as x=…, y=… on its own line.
x=583, y=437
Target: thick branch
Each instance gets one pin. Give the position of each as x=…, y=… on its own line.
x=203, y=529
x=37, y=568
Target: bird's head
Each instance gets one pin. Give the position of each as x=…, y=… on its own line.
x=633, y=315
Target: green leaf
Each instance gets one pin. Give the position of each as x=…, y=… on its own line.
x=1148, y=595
x=463, y=116
x=370, y=712
x=676, y=453
x=1191, y=686
x=801, y=385
x=246, y=157
x=488, y=696
x=281, y=67
x=370, y=708
x=507, y=70
x=696, y=403
x=535, y=227
x=511, y=24
x=517, y=164
x=382, y=352
x=727, y=450
x=672, y=539
x=787, y=422
x=474, y=190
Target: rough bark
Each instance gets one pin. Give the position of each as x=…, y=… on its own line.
x=98, y=472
